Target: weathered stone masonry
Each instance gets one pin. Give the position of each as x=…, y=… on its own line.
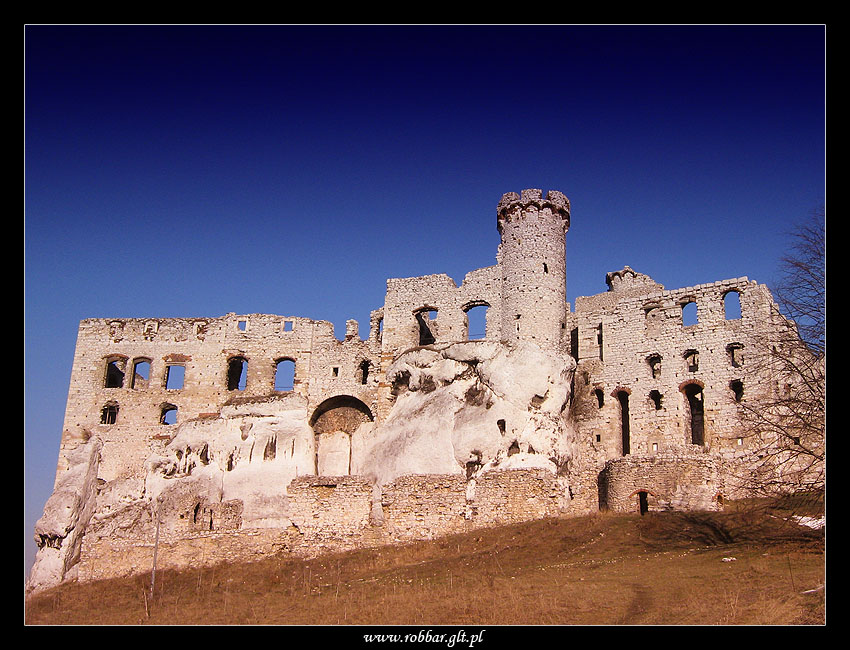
x=237, y=437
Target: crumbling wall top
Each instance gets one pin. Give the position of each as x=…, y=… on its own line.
x=628, y=278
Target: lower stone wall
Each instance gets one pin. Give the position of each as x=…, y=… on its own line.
x=333, y=514
x=340, y=513
x=668, y=482
x=423, y=506
x=516, y=495
x=108, y=557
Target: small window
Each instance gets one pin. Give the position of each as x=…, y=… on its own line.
x=151, y=328
x=736, y=354
x=115, y=373
x=426, y=322
x=174, y=377
x=109, y=413
x=654, y=362
x=655, y=398
x=692, y=360
x=364, y=371
x=242, y=325
x=737, y=387
x=696, y=408
x=237, y=373
x=168, y=414
x=287, y=326
x=335, y=371
x=600, y=397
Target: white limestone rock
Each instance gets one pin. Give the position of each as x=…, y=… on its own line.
x=249, y=454
x=471, y=406
x=59, y=532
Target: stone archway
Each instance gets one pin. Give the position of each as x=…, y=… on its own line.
x=334, y=422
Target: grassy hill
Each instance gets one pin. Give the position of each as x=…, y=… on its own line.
x=752, y=564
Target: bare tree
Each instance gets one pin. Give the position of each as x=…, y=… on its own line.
x=801, y=291
x=784, y=416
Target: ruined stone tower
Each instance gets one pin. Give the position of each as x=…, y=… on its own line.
x=533, y=261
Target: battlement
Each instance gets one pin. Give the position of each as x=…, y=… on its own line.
x=512, y=202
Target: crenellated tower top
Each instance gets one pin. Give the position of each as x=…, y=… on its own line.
x=513, y=206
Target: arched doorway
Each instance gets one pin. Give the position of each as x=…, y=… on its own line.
x=334, y=422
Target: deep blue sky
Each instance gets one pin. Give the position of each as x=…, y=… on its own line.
x=196, y=171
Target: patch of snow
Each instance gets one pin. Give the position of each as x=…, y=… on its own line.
x=812, y=522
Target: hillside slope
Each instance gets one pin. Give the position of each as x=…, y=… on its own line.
x=753, y=565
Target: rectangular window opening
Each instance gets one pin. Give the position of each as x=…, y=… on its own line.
x=174, y=377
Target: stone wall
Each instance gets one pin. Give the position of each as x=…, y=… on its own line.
x=425, y=506
x=639, y=357
x=122, y=384
x=328, y=514
x=511, y=496
x=683, y=481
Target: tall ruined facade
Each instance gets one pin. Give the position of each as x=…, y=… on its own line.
x=208, y=439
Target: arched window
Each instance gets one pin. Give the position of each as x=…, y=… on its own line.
x=476, y=320
x=284, y=376
x=689, y=313
x=425, y=319
x=696, y=411
x=168, y=414
x=141, y=373
x=600, y=397
x=732, y=305
x=237, y=373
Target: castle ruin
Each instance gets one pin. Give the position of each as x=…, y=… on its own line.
x=201, y=440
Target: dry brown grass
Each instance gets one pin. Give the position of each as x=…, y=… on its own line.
x=602, y=569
